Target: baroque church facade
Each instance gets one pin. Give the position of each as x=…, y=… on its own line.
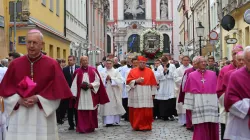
x=134, y=24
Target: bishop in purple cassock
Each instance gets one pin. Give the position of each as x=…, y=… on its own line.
x=201, y=99
x=221, y=88
x=237, y=102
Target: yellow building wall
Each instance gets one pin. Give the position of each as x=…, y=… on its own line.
x=242, y=32
x=181, y=27
x=44, y=15
x=55, y=47
x=4, y=32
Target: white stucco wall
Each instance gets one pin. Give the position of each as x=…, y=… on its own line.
x=76, y=20
x=176, y=29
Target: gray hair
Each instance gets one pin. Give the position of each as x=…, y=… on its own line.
x=4, y=62
x=36, y=31
x=195, y=58
x=246, y=50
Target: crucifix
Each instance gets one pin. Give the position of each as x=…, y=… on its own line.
x=203, y=80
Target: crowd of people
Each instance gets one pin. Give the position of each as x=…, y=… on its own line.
x=40, y=92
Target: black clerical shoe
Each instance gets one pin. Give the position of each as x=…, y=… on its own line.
x=60, y=122
x=165, y=118
x=191, y=129
x=109, y=125
x=71, y=128
x=171, y=118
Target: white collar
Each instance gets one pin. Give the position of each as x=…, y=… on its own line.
x=73, y=66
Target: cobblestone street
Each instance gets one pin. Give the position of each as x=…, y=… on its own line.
x=162, y=130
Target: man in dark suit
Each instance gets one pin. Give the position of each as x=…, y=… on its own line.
x=70, y=103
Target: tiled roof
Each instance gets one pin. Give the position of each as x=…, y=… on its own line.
x=40, y=25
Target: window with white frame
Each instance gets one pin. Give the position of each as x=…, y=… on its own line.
x=51, y=5
x=43, y=2
x=57, y=7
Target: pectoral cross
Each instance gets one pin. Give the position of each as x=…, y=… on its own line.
x=203, y=80
x=32, y=71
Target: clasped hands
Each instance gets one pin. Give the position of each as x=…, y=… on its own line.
x=139, y=80
x=108, y=78
x=85, y=86
x=28, y=102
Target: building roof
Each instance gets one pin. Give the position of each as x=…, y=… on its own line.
x=39, y=25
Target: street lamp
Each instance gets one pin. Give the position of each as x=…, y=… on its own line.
x=180, y=48
x=94, y=53
x=86, y=46
x=188, y=49
x=200, y=33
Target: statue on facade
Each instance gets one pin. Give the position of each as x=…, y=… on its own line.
x=25, y=10
x=133, y=7
x=164, y=10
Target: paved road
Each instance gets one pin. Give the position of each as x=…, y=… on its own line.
x=162, y=130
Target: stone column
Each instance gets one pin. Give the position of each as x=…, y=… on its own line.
x=111, y=14
x=120, y=9
x=158, y=10
x=148, y=9
x=170, y=7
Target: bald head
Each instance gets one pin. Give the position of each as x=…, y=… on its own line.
x=84, y=60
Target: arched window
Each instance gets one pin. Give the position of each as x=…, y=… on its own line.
x=108, y=44
x=133, y=43
x=166, y=43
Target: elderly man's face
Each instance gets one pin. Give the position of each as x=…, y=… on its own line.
x=142, y=65
x=34, y=44
x=234, y=52
x=202, y=63
x=247, y=60
x=85, y=61
x=240, y=60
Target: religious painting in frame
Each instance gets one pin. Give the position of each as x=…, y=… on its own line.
x=134, y=9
